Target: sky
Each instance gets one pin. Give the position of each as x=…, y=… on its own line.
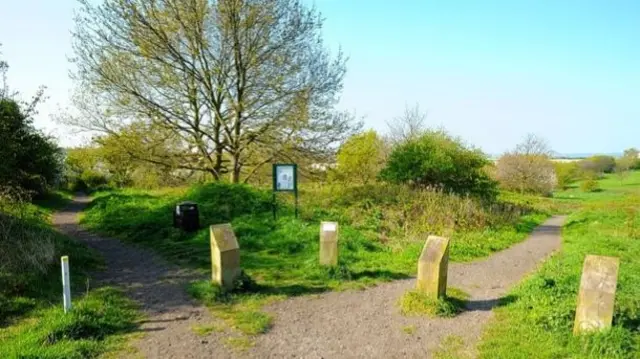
x=487, y=71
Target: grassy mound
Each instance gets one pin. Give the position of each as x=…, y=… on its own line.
x=382, y=231
x=416, y=303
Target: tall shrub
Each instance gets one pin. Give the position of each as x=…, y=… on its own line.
x=438, y=160
x=29, y=159
x=528, y=168
x=598, y=164
x=360, y=159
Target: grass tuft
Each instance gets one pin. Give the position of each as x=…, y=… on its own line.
x=409, y=329
x=452, y=347
x=417, y=303
x=240, y=343
x=238, y=309
x=204, y=330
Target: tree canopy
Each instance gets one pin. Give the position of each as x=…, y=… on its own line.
x=30, y=160
x=360, y=158
x=234, y=84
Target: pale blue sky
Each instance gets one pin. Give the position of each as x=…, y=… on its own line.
x=488, y=71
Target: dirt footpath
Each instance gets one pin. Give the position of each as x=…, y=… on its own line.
x=158, y=286
x=350, y=324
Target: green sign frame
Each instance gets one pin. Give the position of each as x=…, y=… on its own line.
x=288, y=182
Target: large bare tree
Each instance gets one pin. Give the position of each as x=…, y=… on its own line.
x=236, y=83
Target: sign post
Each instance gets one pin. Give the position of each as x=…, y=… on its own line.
x=285, y=179
x=66, y=285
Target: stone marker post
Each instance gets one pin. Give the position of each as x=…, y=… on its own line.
x=597, y=293
x=329, y=243
x=432, y=267
x=225, y=256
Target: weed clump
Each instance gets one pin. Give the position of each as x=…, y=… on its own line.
x=417, y=303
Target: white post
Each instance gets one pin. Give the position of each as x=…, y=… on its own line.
x=66, y=285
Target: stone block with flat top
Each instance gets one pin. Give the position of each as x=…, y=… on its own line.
x=597, y=293
x=432, y=267
x=225, y=255
x=329, y=243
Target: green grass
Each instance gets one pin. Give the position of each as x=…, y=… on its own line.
x=95, y=325
x=25, y=289
x=32, y=322
x=204, y=330
x=241, y=311
x=538, y=324
x=409, y=329
x=453, y=347
x=417, y=303
x=382, y=232
x=239, y=343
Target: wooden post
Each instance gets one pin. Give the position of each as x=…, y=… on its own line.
x=433, y=266
x=329, y=243
x=66, y=284
x=225, y=256
x=597, y=293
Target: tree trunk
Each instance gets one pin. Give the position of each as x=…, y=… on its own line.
x=236, y=167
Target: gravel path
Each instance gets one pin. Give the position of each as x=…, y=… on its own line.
x=158, y=286
x=367, y=323
x=349, y=324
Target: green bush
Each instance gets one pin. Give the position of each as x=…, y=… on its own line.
x=439, y=161
x=567, y=173
x=30, y=160
x=589, y=185
x=360, y=159
x=598, y=164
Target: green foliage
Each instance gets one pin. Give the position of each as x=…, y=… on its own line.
x=30, y=160
x=437, y=160
x=598, y=164
x=360, y=158
x=634, y=155
x=567, y=173
x=589, y=185
x=91, y=328
x=82, y=169
x=539, y=323
x=626, y=163
x=416, y=303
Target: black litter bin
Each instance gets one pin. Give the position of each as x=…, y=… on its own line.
x=186, y=216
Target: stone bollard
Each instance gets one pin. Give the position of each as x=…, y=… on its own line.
x=329, y=243
x=225, y=256
x=432, y=267
x=597, y=293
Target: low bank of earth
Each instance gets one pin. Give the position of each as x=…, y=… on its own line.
x=32, y=321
